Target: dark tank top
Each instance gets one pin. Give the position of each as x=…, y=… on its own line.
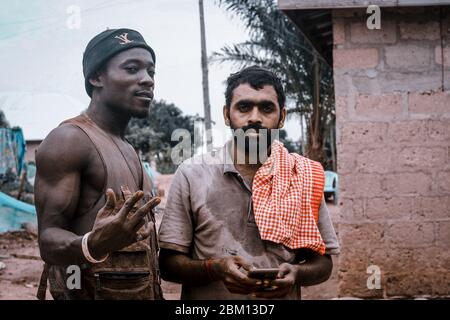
x=132, y=272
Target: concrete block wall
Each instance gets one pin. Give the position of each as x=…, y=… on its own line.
x=393, y=150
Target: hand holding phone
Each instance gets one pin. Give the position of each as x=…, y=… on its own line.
x=263, y=274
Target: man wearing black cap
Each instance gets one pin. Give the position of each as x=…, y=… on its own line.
x=98, y=247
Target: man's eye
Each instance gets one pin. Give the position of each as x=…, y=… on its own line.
x=131, y=69
x=151, y=73
x=267, y=108
x=243, y=107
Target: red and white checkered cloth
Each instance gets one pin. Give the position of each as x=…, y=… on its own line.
x=287, y=191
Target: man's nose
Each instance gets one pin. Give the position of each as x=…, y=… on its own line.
x=147, y=79
x=255, y=116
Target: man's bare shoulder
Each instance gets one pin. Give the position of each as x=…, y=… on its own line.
x=65, y=145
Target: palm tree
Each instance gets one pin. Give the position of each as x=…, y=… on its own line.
x=275, y=43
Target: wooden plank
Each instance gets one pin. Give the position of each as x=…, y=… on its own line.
x=342, y=4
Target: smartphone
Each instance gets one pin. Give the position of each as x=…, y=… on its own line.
x=269, y=273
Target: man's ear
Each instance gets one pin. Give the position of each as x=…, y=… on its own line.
x=226, y=115
x=96, y=80
x=282, y=117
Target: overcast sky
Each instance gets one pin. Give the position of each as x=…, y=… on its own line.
x=41, y=47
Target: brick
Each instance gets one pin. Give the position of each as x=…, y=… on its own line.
x=405, y=234
x=393, y=82
x=353, y=276
x=429, y=102
x=346, y=160
x=351, y=210
x=359, y=33
x=349, y=59
x=407, y=183
x=394, y=259
x=342, y=84
x=443, y=181
x=409, y=284
x=438, y=56
x=443, y=234
x=421, y=157
x=389, y=208
x=380, y=106
x=361, y=185
x=354, y=258
x=431, y=208
x=439, y=130
x=374, y=160
x=408, y=131
x=338, y=31
x=410, y=57
x=428, y=30
x=364, y=133
x=341, y=107
x=441, y=282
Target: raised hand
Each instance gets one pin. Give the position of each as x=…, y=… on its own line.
x=113, y=231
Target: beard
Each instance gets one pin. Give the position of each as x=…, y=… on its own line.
x=255, y=140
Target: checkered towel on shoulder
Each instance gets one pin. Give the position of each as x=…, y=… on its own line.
x=287, y=191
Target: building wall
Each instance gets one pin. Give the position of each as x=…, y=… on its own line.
x=393, y=144
x=31, y=150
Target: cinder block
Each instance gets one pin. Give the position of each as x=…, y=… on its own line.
x=389, y=208
x=408, y=183
x=424, y=30
x=408, y=57
x=350, y=59
x=429, y=102
x=383, y=106
x=359, y=33
x=404, y=234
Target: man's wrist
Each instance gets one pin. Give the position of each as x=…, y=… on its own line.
x=213, y=269
x=90, y=252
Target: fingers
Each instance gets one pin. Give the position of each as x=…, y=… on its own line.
x=129, y=204
x=240, y=277
x=243, y=263
x=144, y=234
x=126, y=192
x=284, y=270
x=138, y=217
x=110, y=204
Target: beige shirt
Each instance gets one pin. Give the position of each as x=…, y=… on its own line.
x=209, y=215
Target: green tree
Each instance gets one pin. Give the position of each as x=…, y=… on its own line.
x=276, y=43
x=151, y=136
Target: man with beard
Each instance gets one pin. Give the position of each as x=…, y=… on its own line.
x=251, y=205
x=110, y=240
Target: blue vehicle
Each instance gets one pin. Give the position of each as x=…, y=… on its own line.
x=331, y=185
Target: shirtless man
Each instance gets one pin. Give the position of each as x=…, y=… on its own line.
x=111, y=239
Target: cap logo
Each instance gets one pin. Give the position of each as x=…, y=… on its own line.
x=123, y=38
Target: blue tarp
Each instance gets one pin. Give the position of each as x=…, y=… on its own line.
x=13, y=213
x=12, y=150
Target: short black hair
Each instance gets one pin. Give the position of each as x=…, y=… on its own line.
x=257, y=77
